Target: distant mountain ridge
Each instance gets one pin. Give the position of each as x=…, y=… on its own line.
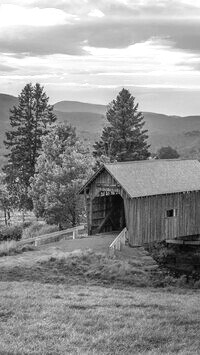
x=182, y=133
x=76, y=106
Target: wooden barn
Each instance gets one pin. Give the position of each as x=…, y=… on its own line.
x=154, y=199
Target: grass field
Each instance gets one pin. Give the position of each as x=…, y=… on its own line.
x=85, y=302
x=40, y=318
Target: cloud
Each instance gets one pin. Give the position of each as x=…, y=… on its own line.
x=5, y=68
x=34, y=29
x=70, y=39
x=41, y=41
x=122, y=33
x=14, y=15
x=144, y=8
x=96, y=13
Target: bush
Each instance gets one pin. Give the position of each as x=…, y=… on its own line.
x=38, y=228
x=46, y=229
x=32, y=231
x=197, y=284
x=7, y=248
x=26, y=224
x=11, y=248
x=99, y=266
x=11, y=233
x=161, y=252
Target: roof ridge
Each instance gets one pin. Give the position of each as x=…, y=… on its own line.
x=148, y=161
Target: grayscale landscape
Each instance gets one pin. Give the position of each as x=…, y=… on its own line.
x=99, y=177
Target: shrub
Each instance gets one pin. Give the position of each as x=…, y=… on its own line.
x=161, y=252
x=197, y=284
x=182, y=281
x=11, y=233
x=99, y=266
x=11, y=248
x=26, y=224
x=38, y=228
x=46, y=229
x=32, y=231
x=7, y=248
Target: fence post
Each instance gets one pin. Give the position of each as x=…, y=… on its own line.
x=75, y=233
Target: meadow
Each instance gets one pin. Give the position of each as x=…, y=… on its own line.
x=87, y=303
x=39, y=318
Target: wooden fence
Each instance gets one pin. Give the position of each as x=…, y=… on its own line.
x=52, y=237
x=119, y=241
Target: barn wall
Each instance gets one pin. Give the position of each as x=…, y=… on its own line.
x=100, y=200
x=147, y=221
x=103, y=178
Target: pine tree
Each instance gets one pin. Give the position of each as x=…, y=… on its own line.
x=30, y=121
x=123, y=139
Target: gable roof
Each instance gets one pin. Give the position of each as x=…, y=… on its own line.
x=154, y=177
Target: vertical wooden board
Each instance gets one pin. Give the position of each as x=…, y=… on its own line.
x=103, y=178
x=145, y=216
x=128, y=206
x=131, y=221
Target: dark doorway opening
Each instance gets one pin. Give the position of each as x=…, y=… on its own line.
x=108, y=214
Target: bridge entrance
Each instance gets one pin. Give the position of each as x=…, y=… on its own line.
x=107, y=214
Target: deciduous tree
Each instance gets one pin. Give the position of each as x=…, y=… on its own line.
x=5, y=202
x=61, y=169
x=167, y=153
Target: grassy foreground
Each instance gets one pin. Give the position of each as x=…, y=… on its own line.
x=87, y=303
x=40, y=318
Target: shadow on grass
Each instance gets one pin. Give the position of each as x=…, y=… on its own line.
x=53, y=275
x=121, y=306
x=81, y=267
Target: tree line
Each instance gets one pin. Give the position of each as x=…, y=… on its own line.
x=47, y=163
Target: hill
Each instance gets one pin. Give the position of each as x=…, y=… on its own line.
x=76, y=106
x=182, y=133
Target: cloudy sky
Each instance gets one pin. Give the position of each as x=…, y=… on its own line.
x=86, y=50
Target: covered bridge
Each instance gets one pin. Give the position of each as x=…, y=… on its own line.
x=154, y=199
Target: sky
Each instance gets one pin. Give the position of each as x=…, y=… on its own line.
x=87, y=50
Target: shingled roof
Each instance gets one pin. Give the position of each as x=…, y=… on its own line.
x=155, y=177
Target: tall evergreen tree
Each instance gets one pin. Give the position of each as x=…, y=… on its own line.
x=30, y=121
x=123, y=138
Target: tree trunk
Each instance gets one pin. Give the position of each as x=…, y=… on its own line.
x=23, y=216
x=5, y=217
x=8, y=214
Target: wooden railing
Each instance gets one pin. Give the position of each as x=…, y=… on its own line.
x=52, y=237
x=119, y=241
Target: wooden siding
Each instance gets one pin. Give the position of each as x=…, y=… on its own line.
x=147, y=221
x=107, y=179
x=101, y=200
x=145, y=217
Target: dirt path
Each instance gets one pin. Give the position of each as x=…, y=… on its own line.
x=97, y=243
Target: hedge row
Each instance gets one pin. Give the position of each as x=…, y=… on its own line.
x=26, y=230
x=13, y=232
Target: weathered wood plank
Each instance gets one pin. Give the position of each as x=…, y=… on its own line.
x=183, y=242
x=146, y=219
x=104, y=221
